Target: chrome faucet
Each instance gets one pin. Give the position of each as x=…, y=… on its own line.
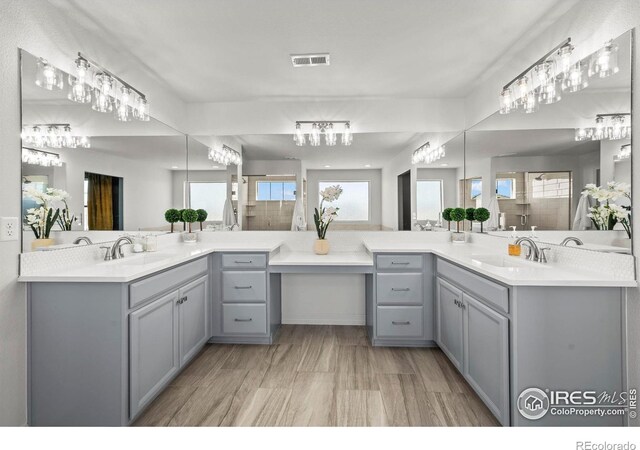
x=534, y=252
x=84, y=239
x=571, y=239
x=116, y=248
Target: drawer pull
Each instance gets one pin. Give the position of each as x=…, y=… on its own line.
x=243, y=287
x=243, y=262
x=400, y=289
x=401, y=323
x=395, y=263
x=242, y=320
x=181, y=300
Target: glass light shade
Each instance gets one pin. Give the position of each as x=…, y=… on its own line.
x=123, y=109
x=48, y=77
x=347, y=137
x=605, y=61
x=330, y=136
x=550, y=92
x=38, y=137
x=79, y=90
x=83, y=141
x=53, y=137
x=103, y=93
x=530, y=103
x=544, y=73
x=617, y=130
x=563, y=60
x=522, y=90
x=600, y=131
x=141, y=111
x=314, y=136
x=582, y=134
x=298, y=137
x=506, y=101
x=68, y=140
x=576, y=79
x=624, y=152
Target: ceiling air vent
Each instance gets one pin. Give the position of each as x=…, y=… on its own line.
x=310, y=60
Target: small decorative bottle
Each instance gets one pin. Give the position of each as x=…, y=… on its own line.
x=514, y=249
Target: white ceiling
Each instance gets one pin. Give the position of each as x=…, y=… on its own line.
x=238, y=50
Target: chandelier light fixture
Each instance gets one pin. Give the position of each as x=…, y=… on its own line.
x=317, y=128
x=92, y=83
x=607, y=127
x=556, y=72
x=53, y=135
x=428, y=155
x=40, y=158
x=624, y=153
x=225, y=155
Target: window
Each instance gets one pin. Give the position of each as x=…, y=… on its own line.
x=476, y=188
x=354, y=201
x=276, y=191
x=506, y=188
x=547, y=187
x=209, y=196
x=429, y=198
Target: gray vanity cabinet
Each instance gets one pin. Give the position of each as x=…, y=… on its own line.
x=474, y=335
x=486, y=355
x=154, y=352
x=399, y=300
x=449, y=321
x=193, y=318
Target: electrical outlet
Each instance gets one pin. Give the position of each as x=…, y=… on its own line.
x=9, y=230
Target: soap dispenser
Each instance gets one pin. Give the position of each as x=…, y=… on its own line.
x=514, y=248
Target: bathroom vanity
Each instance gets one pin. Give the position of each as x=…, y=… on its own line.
x=106, y=338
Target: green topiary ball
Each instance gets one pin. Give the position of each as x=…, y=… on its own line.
x=482, y=214
x=202, y=215
x=457, y=214
x=469, y=214
x=446, y=214
x=189, y=215
x=181, y=211
x=172, y=215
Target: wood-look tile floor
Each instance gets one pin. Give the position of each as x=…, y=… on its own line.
x=318, y=376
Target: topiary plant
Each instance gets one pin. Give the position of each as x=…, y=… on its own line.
x=481, y=215
x=446, y=215
x=189, y=216
x=457, y=216
x=172, y=216
x=202, y=216
x=469, y=214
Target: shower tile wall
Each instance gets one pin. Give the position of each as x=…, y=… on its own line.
x=267, y=215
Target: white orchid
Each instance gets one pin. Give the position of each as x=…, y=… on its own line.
x=42, y=218
x=324, y=216
x=331, y=193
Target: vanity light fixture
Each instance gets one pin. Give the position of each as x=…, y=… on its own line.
x=544, y=81
x=48, y=76
x=225, y=155
x=79, y=89
x=428, y=155
x=624, y=153
x=53, y=135
x=607, y=127
x=319, y=128
x=40, y=158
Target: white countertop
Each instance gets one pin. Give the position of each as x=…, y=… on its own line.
x=481, y=259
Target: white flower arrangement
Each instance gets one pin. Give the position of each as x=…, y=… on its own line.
x=606, y=214
x=42, y=219
x=324, y=216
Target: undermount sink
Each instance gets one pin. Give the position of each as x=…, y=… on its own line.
x=506, y=262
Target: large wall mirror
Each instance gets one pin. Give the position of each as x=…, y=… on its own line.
x=530, y=170
x=117, y=175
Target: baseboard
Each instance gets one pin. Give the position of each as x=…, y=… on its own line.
x=329, y=319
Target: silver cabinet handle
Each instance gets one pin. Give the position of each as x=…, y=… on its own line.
x=400, y=289
x=394, y=263
x=242, y=320
x=400, y=323
x=181, y=300
x=243, y=262
x=243, y=287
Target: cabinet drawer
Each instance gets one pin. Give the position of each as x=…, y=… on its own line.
x=244, y=319
x=399, y=321
x=399, y=288
x=399, y=262
x=492, y=293
x=244, y=261
x=250, y=287
x=143, y=290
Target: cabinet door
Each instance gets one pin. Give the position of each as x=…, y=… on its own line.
x=449, y=322
x=486, y=350
x=193, y=318
x=153, y=349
